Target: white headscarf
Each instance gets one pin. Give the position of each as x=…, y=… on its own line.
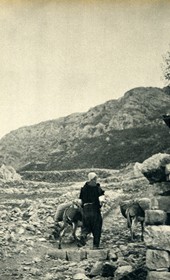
x=91, y=176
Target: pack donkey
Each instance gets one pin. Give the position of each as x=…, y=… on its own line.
x=134, y=212
x=71, y=215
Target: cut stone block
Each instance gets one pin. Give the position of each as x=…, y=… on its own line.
x=57, y=254
x=157, y=237
x=154, y=275
x=155, y=217
x=164, y=203
x=76, y=255
x=156, y=259
x=97, y=255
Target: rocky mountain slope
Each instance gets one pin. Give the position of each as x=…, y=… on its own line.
x=109, y=135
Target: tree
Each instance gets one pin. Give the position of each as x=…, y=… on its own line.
x=166, y=67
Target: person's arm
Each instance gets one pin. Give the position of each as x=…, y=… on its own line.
x=100, y=191
x=81, y=196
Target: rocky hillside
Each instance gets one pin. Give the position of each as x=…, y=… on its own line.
x=109, y=135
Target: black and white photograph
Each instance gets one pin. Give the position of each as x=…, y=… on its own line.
x=85, y=139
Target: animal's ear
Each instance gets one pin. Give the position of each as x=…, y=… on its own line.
x=120, y=202
x=77, y=202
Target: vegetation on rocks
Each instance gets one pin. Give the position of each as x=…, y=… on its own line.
x=109, y=135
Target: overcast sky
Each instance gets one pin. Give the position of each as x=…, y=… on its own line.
x=61, y=57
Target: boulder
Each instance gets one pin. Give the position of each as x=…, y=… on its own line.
x=155, y=217
x=96, y=269
x=122, y=271
x=112, y=256
x=80, y=276
x=157, y=237
x=8, y=173
x=156, y=259
x=108, y=269
x=153, y=168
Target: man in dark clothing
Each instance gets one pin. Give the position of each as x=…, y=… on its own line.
x=166, y=119
x=92, y=219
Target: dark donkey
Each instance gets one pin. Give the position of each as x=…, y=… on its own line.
x=71, y=216
x=134, y=213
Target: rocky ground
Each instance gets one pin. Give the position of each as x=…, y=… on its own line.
x=27, y=212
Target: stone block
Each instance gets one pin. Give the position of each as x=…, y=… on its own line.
x=108, y=269
x=122, y=271
x=96, y=269
x=76, y=255
x=154, y=203
x=145, y=203
x=164, y=203
x=97, y=255
x=57, y=254
x=154, y=275
x=155, y=217
x=156, y=259
x=157, y=237
x=112, y=256
x=80, y=276
x=83, y=254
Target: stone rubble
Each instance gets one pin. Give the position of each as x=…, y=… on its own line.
x=27, y=211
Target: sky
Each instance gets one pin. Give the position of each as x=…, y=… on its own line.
x=61, y=57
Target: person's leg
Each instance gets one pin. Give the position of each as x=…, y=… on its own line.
x=97, y=228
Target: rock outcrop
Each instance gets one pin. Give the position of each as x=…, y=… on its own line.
x=8, y=173
x=154, y=167
x=117, y=130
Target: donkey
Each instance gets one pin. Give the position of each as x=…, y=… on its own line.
x=72, y=215
x=133, y=212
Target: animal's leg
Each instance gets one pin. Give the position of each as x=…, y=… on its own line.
x=62, y=232
x=129, y=223
x=142, y=228
x=74, y=230
x=131, y=233
x=134, y=223
x=132, y=228
x=57, y=229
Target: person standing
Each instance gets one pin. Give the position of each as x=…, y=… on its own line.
x=92, y=219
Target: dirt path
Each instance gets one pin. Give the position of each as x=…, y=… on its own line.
x=25, y=243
